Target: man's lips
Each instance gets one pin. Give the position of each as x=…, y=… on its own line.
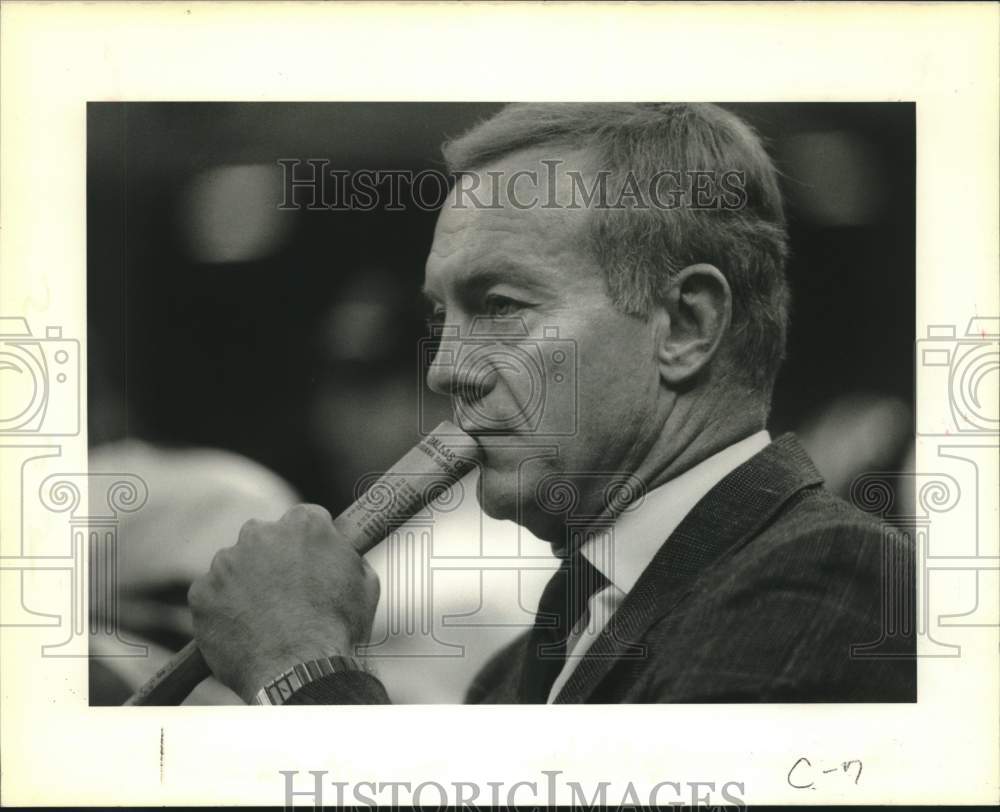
x=489, y=433
x=486, y=425
x=476, y=428
x=495, y=444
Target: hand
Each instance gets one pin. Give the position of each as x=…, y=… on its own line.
x=287, y=592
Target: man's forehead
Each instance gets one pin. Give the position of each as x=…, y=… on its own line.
x=546, y=173
x=520, y=205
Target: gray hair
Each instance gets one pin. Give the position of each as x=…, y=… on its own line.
x=642, y=248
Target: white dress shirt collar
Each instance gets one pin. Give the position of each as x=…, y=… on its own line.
x=641, y=530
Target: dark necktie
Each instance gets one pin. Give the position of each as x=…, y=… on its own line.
x=562, y=605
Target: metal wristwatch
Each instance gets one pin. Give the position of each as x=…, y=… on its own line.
x=278, y=690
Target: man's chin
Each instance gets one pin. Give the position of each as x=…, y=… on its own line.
x=498, y=495
x=500, y=498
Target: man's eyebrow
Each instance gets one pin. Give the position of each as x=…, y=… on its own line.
x=483, y=277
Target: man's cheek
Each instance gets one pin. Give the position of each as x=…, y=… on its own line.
x=515, y=399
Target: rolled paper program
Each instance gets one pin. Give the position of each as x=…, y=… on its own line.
x=423, y=474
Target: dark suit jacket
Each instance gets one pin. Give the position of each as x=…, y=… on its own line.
x=771, y=589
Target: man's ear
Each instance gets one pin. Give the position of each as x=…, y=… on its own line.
x=694, y=316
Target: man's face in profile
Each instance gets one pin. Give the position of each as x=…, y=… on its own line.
x=519, y=293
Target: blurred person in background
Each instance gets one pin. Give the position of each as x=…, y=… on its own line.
x=736, y=577
x=196, y=496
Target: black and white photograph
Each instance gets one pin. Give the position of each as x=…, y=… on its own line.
x=669, y=345
x=532, y=404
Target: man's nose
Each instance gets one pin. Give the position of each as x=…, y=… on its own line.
x=440, y=373
x=457, y=373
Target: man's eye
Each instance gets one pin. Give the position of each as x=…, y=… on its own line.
x=436, y=316
x=500, y=306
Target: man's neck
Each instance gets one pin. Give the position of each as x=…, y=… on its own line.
x=691, y=434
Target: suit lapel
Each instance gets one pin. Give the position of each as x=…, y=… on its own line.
x=725, y=519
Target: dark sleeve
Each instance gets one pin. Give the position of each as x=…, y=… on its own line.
x=342, y=688
x=824, y=617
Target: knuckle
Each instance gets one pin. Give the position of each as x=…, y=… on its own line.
x=318, y=514
x=196, y=592
x=250, y=530
x=308, y=514
x=294, y=512
x=222, y=561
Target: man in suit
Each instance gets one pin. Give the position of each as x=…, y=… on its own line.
x=651, y=240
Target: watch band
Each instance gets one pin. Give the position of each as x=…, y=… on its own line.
x=278, y=690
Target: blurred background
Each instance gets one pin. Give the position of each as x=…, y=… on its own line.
x=242, y=358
